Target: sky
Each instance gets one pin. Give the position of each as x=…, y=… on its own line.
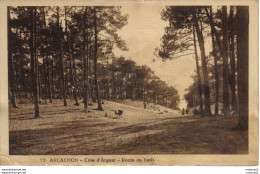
x=142, y=35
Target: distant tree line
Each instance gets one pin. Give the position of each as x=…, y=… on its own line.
x=223, y=73
x=125, y=80
x=67, y=52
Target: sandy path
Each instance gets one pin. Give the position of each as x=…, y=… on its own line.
x=69, y=130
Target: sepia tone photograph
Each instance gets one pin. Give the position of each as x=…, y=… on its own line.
x=128, y=80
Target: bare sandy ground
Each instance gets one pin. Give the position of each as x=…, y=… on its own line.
x=69, y=131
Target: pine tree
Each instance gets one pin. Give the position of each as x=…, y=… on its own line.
x=242, y=18
x=34, y=60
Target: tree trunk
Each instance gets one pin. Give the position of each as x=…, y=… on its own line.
x=16, y=80
x=215, y=60
x=31, y=87
x=198, y=72
x=74, y=88
x=242, y=64
x=44, y=74
x=60, y=58
x=226, y=109
x=133, y=84
x=48, y=78
x=75, y=73
x=232, y=63
x=95, y=61
x=107, y=90
x=11, y=78
x=11, y=63
x=85, y=63
x=222, y=55
x=34, y=68
x=38, y=70
x=207, y=111
x=66, y=78
x=22, y=69
x=52, y=78
x=90, y=73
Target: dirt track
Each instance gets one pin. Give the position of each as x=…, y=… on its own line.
x=70, y=131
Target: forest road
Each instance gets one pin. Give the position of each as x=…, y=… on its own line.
x=69, y=131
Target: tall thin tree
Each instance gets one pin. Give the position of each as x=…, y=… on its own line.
x=207, y=110
x=85, y=62
x=60, y=58
x=95, y=60
x=70, y=60
x=226, y=108
x=10, y=61
x=210, y=17
x=198, y=72
x=232, y=61
x=242, y=18
x=34, y=64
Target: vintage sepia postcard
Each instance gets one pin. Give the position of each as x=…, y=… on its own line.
x=136, y=83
